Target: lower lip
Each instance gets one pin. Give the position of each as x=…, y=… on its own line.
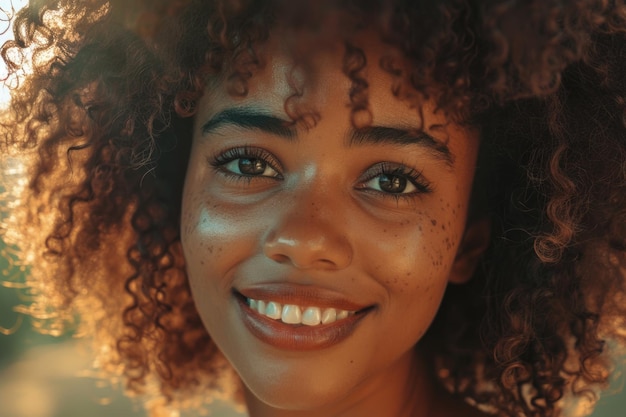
x=298, y=337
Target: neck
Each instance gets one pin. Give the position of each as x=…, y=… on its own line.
x=404, y=389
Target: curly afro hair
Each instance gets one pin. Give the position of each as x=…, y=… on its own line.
x=101, y=129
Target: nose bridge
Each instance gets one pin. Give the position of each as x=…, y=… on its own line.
x=309, y=231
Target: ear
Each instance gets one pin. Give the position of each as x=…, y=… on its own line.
x=474, y=243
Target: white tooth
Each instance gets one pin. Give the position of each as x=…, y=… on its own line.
x=253, y=303
x=312, y=316
x=329, y=316
x=273, y=310
x=261, y=307
x=342, y=314
x=291, y=314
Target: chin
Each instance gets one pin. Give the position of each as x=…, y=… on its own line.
x=296, y=393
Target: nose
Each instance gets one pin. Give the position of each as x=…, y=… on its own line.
x=308, y=236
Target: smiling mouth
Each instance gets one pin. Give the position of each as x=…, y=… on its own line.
x=295, y=314
x=297, y=318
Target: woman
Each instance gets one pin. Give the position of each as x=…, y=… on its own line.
x=367, y=208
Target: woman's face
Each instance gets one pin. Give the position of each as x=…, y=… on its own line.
x=353, y=232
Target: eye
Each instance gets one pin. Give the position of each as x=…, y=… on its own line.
x=250, y=167
x=395, y=179
x=389, y=183
x=247, y=162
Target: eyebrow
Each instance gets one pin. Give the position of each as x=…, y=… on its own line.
x=251, y=119
x=397, y=136
x=254, y=119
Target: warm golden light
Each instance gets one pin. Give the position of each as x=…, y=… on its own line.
x=6, y=32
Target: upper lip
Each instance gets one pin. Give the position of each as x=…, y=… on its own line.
x=302, y=295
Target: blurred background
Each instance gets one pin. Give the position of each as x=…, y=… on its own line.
x=45, y=376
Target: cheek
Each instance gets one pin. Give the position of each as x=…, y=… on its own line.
x=212, y=238
x=412, y=262
x=443, y=229
x=215, y=241
x=415, y=250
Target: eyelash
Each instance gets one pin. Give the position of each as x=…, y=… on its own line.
x=415, y=177
x=220, y=160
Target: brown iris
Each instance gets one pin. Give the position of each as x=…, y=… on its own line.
x=252, y=166
x=392, y=183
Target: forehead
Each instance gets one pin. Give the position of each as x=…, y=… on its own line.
x=295, y=73
x=318, y=88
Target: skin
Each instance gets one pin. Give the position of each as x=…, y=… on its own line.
x=317, y=217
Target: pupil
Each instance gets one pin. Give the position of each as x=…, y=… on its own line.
x=392, y=183
x=251, y=166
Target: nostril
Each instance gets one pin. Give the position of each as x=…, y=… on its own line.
x=326, y=262
x=280, y=258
